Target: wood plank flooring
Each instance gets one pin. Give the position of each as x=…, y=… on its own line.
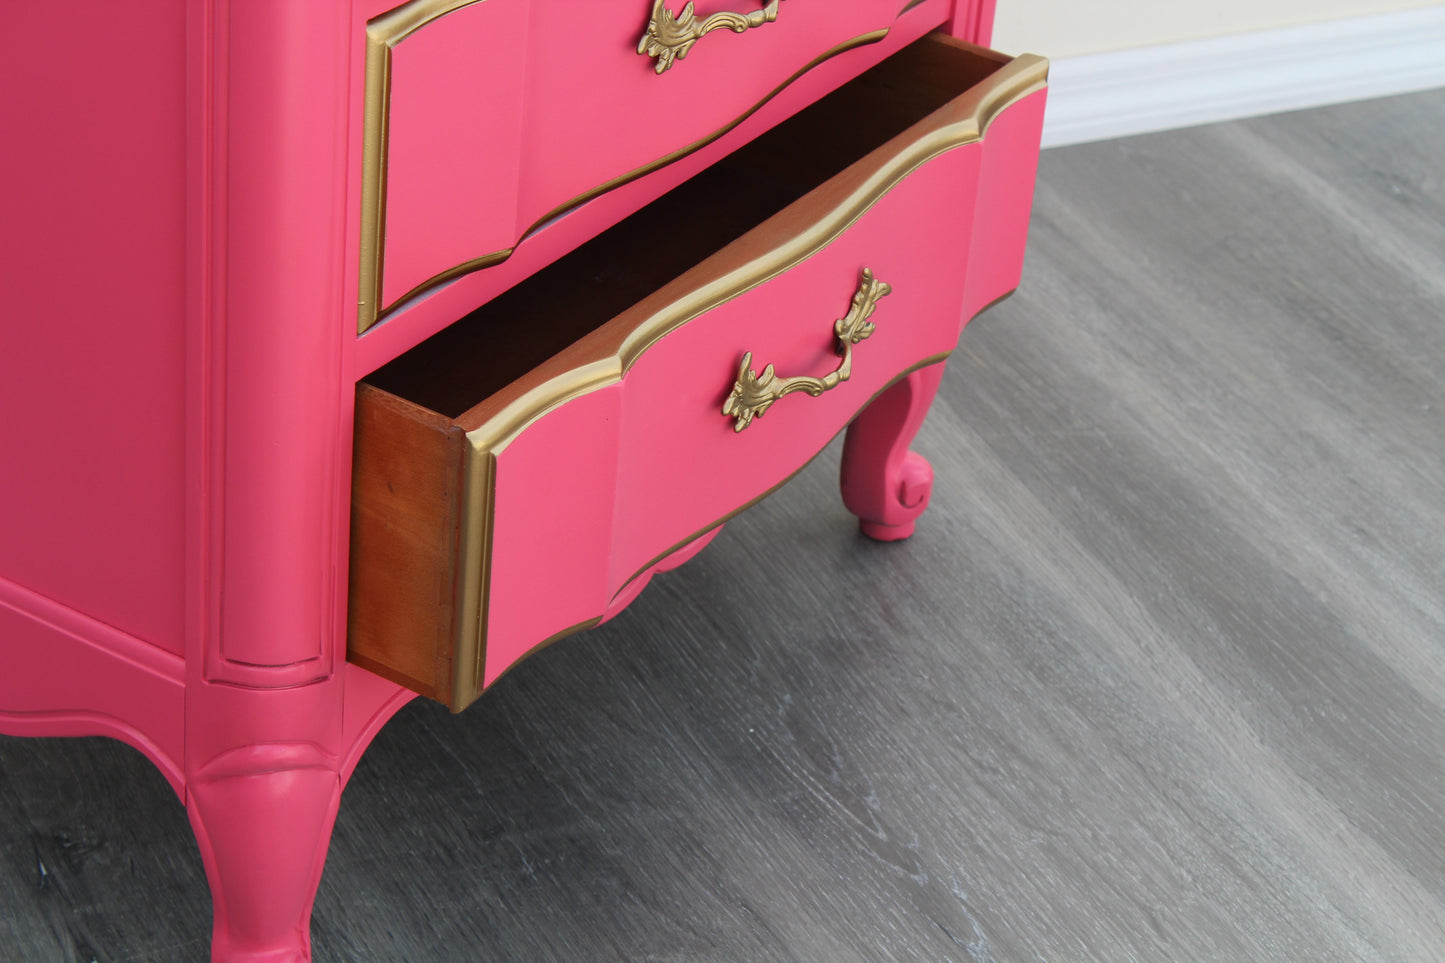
x=1161, y=677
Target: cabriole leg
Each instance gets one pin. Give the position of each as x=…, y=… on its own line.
x=884, y=484
x=263, y=816
x=264, y=783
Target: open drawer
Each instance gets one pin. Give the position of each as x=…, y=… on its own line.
x=519, y=475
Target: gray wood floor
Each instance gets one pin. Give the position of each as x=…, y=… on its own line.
x=1161, y=678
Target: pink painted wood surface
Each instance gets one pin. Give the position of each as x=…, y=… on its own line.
x=277, y=512
x=676, y=390
x=996, y=253
x=63, y=673
x=551, y=529
x=92, y=266
x=562, y=155
x=455, y=148
x=598, y=91
x=264, y=775
x=179, y=317
x=883, y=483
x=630, y=591
x=544, y=566
x=261, y=798
x=262, y=816
x=181, y=444
x=972, y=20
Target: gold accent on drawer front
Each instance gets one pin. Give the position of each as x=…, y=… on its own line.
x=474, y=578
x=383, y=32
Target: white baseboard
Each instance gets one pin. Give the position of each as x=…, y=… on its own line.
x=1144, y=89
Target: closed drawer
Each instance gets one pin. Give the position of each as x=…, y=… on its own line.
x=519, y=474
x=487, y=119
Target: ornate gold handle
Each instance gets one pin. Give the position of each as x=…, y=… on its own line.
x=669, y=37
x=754, y=394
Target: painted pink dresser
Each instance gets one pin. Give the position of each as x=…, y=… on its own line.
x=354, y=350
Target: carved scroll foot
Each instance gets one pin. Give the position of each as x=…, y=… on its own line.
x=884, y=484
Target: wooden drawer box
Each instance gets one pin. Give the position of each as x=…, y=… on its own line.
x=520, y=475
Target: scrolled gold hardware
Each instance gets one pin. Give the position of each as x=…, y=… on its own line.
x=670, y=36
x=754, y=394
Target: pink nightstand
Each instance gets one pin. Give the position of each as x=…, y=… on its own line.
x=550, y=240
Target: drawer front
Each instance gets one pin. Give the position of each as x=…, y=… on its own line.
x=571, y=484
x=486, y=119
x=596, y=490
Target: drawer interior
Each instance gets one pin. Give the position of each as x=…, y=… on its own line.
x=520, y=329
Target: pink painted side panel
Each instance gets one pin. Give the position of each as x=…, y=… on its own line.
x=92, y=266
x=64, y=674
x=578, y=131
x=454, y=162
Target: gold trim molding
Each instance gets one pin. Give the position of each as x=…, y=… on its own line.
x=383, y=33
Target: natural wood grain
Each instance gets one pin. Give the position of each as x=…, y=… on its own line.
x=405, y=529
x=1159, y=678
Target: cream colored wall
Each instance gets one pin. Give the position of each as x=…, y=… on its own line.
x=1064, y=28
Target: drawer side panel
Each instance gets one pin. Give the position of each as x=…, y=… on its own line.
x=405, y=531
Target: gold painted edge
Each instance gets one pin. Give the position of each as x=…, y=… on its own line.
x=373, y=242
x=472, y=589
x=373, y=178
x=383, y=32
x=398, y=23
x=1013, y=82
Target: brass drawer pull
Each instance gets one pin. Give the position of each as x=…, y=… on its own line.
x=753, y=394
x=669, y=37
